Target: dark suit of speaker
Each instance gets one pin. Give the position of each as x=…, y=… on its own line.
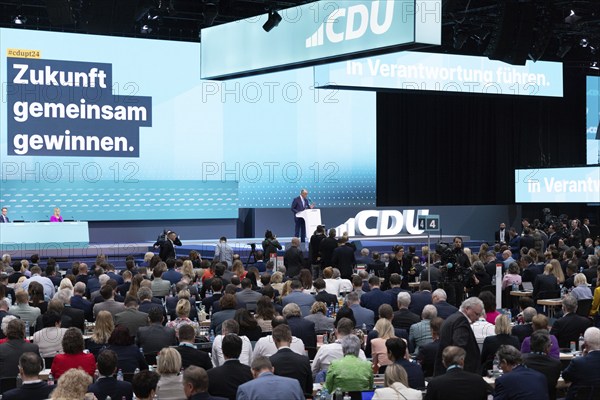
x=224, y=380
x=111, y=387
x=295, y=366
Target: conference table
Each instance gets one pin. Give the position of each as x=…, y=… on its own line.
x=551, y=304
x=521, y=293
x=560, y=384
x=33, y=235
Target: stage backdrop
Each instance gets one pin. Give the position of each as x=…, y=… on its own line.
x=112, y=129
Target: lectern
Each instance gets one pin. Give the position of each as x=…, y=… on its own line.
x=312, y=218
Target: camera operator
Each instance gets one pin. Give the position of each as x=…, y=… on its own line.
x=400, y=265
x=456, y=270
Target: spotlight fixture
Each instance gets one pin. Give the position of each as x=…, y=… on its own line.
x=273, y=20
x=146, y=29
x=20, y=19
x=572, y=18
x=584, y=42
x=594, y=65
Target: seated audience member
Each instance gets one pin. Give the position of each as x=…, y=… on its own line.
x=106, y=384
x=36, y=296
x=581, y=291
x=427, y=353
x=268, y=386
x=144, y=385
x=154, y=337
x=362, y=315
x=539, y=360
x=128, y=353
x=79, y=302
x=482, y=329
x=227, y=311
x=375, y=297
x=298, y=297
x=72, y=385
x=265, y=312
x=396, y=352
x=489, y=304
x=62, y=304
x=23, y=310
x=248, y=325
x=386, y=312
x=420, y=298
x=518, y=381
x=217, y=288
x=73, y=356
x=456, y=384
x=266, y=345
x=396, y=386
x=224, y=380
x=439, y=299
x=322, y=294
x=289, y=364
x=32, y=388
x=190, y=355
x=525, y=329
x=318, y=315
x=103, y=328
x=170, y=384
x=582, y=372
x=160, y=287
x=195, y=384
x=49, y=339
x=109, y=304
x=540, y=321
x=328, y=353
x=231, y=326
x=350, y=373
x=183, y=312
x=385, y=331
x=491, y=344
x=301, y=328
x=568, y=328
x=420, y=333
x=131, y=317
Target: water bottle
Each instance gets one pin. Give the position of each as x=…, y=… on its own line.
x=364, y=328
x=496, y=366
x=581, y=340
x=515, y=287
x=211, y=338
x=509, y=314
x=347, y=396
x=326, y=338
x=324, y=394
x=338, y=394
x=108, y=398
x=120, y=375
x=573, y=347
x=50, y=379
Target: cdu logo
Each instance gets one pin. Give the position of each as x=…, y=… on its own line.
x=358, y=20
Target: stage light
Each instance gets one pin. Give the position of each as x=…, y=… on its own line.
x=20, y=19
x=584, y=42
x=594, y=65
x=273, y=20
x=146, y=29
x=572, y=18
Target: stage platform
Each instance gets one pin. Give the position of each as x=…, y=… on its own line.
x=116, y=252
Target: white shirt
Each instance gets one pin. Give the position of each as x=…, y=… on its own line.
x=332, y=286
x=45, y=282
x=345, y=285
x=217, y=351
x=266, y=347
x=482, y=329
x=329, y=353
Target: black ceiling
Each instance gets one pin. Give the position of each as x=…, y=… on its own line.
x=510, y=30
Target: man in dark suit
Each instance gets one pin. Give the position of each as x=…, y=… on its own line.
x=131, y=317
x=195, y=384
x=77, y=301
x=246, y=295
x=154, y=337
x=326, y=248
x=568, y=328
x=216, y=287
x=300, y=204
x=539, y=360
x=456, y=331
x=343, y=258
x=376, y=266
x=421, y=298
x=582, y=372
x=525, y=330
x=300, y=327
x=76, y=315
x=404, y=318
x=501, y=235
x=322, y=294
x=224, y=380
x=289, y=364
x=107, y=385
x=4, y=215
x=293, y=258
x=32, y=388
x=444, y=309
x=11, y=351
x=396, y=351
x=167, y=247
x=395, y=287
x=518, y=381
x=428, y=352
x=375, y=297
x=190, y=355
x=456, y=383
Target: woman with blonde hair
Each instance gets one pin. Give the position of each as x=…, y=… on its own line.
x=503, y=336
x=385, y=331
x=276, y=281
x=557, y=271
x=182, y=310
x=66, y=283
x=103, y=328
x=188, y=269
x=72, y=385
x=286, y=289
x=396, y=386
x=546, y=285
x=238, y=269
x=170, y=385
x=581, y=291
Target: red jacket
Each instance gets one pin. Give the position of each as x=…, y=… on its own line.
x=64, y=362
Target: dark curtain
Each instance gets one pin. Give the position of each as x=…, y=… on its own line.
x=461, y=149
